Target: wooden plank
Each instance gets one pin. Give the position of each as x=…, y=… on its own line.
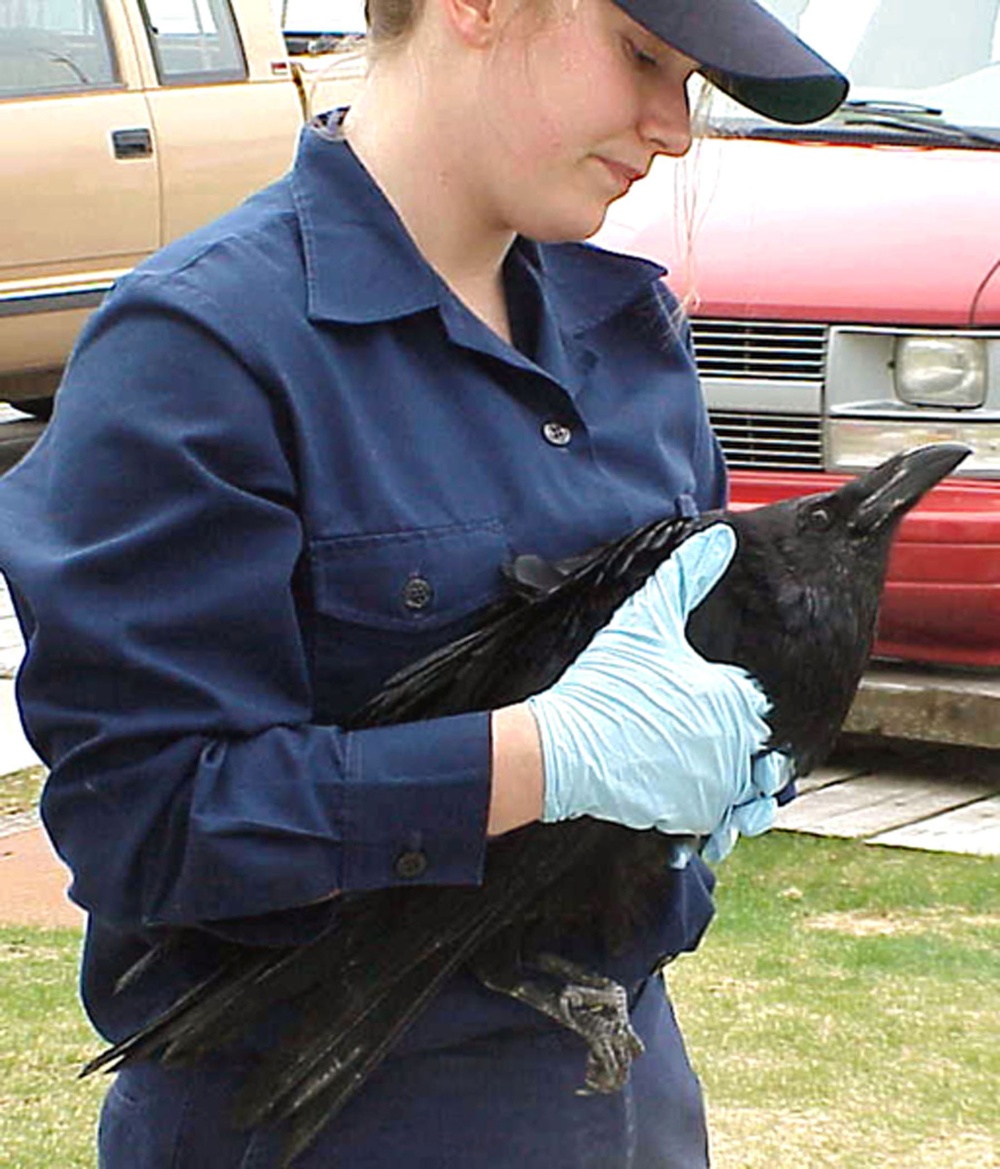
x=854, y=759
x=875, y=803
x=973, y=828
x=10, y=657
x=853, y=762
x=830, y=773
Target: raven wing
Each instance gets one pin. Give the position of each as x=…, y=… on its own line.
x=526, y=640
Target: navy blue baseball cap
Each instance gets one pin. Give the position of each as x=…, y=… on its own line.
x=747, y=53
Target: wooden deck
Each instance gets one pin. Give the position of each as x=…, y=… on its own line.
x=941, y=799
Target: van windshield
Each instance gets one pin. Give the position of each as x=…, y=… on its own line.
x=911, y=63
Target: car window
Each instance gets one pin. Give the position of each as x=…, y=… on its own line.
x=336, y=17
x=51, y=45
x=194, y=41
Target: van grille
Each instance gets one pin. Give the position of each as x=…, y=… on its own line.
x=776, y=442
x=771, y=350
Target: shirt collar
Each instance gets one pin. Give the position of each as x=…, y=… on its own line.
x=361, y=263
x=587, y=284
x=349, y=227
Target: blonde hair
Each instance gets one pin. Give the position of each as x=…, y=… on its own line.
x=389, y=22
x=690, y=197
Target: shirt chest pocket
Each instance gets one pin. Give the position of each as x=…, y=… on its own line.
x=382, y=601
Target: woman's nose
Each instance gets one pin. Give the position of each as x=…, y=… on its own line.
x=666, y=119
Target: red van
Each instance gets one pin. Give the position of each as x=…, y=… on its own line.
x=843, y=285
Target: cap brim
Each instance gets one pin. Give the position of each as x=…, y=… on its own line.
x=747, y=53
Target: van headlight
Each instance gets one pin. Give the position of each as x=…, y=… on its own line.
x=940, y=371
x=891, y=387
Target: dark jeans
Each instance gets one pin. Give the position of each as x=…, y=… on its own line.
x=502, y=1101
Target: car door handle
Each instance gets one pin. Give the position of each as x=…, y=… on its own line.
x=136, y=143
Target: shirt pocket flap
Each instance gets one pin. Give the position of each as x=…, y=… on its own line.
x=422, y=578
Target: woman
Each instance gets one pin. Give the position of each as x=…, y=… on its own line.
x=292, y=453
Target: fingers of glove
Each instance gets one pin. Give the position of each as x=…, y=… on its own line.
x=721, y=843
x=653, y=714
x=661, y=607
x=756, y=817
x=670, y=748
x=702, y=561
x=772, y=772
x=730, y=697
x=749, y=819
x=679, y=856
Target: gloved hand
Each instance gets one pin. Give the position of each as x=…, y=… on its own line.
x=770, y=774
x=642, y=730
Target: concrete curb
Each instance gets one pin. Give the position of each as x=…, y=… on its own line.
x=931, y=704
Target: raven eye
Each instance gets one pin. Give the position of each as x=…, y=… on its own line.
x=819, y=518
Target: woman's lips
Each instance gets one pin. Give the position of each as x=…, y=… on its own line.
x=621, y=172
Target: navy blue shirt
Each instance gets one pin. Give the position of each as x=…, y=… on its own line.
x=285, y=460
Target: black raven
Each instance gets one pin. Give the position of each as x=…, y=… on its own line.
x=797, y=608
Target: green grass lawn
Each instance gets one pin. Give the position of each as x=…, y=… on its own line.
x=842, y=1012
x=20, y=790
x=47, y=1116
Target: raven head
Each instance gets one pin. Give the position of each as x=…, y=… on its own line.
x=799, y=603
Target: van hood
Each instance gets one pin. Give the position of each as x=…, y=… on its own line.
x=822, y=231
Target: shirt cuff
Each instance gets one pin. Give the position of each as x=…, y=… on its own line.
x=416, y=804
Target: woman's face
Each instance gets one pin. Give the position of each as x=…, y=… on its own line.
x=578, y=103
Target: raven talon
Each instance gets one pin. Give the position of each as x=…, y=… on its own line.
x=588, y=1004
x=596, y=1008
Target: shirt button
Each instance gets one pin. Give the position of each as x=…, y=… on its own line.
x=417, y=593
x=556, y=433
x=410, y=865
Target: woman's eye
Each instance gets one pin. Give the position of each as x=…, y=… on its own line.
x=646, y=60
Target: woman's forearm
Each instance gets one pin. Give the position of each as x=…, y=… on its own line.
x=517, y=789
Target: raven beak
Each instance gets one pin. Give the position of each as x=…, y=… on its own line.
x=886, y=492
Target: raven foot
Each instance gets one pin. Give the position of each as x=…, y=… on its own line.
x=592, y=1006
x=596, y=1008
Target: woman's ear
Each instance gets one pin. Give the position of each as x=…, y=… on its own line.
x=476, y=22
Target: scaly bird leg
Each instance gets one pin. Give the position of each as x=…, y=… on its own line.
x=592, y=1006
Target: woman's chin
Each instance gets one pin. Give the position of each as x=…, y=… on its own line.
x=569, y=227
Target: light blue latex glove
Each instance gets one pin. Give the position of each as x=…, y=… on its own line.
x=771, y=772
x=643, y=731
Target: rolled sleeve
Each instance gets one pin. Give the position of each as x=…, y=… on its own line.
x=285, y=818
x=415, y=805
